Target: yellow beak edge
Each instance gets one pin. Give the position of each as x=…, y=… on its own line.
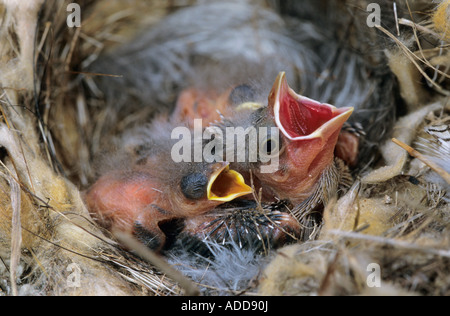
x=225, y=185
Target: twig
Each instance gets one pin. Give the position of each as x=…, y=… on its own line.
x=396, y=18
x=392, y=242
x=440, y=171
x=16, y=234
x=93, y=74
x=419, y=27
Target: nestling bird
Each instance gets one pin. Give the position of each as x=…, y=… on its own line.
x=307, y=172
x=309, y=133
x=156, y=191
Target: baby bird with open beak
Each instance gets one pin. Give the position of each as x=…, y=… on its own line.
x=156, y=194
x=307, y=171
x=309, y=133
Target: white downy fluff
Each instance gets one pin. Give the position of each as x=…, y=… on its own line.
x=230, y=269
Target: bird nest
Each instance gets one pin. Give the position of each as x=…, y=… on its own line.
x=61, y=108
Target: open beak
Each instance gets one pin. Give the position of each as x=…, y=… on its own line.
x=226, y=185
x=300, y=118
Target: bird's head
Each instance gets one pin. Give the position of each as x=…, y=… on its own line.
x=140, y=201
x=309, y=131
x=208, y=186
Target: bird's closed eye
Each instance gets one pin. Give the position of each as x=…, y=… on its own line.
x=194, y=186
x=241, y=94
